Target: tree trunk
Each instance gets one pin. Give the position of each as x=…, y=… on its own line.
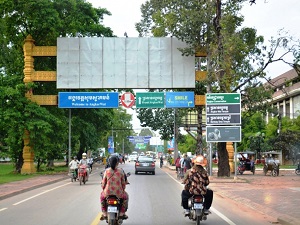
x=50, y=164
x=223, y=165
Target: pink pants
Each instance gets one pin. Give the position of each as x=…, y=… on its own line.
x=123, y=208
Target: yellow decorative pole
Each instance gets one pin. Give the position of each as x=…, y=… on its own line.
x=230, y=150
x=28, y=154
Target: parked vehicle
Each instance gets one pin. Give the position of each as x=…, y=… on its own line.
x=271, y=163
x=113, y=209
x=82, y=174
x=246, y=162
x=145, y=164
x=196, y=205
x=297, y=170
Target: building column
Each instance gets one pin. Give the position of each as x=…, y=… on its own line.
x=28, y=153
x=230, y=150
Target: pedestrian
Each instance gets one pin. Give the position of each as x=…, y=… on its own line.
x=187, y=162
x=177, y=164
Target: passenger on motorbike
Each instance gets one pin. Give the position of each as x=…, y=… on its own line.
x=114, y=183
x=84, y=161
x=196, y=181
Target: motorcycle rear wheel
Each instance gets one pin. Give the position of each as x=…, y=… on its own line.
x=112, y=220
x=80, y=180
x=297, y=171
x=198, y=220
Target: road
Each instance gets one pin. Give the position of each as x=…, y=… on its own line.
x=154, y=200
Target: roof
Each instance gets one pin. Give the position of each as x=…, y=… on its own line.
x=281, y=79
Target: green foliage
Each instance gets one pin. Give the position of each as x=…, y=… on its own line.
x=45, y=20
x=187, y=144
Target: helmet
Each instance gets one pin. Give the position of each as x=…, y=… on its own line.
x=200, y=160
x=75, y=157
x=83, y=155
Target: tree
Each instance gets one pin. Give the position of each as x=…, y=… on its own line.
x=215, y=26
x=45, y=20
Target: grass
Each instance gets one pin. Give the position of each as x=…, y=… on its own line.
x=8, y=174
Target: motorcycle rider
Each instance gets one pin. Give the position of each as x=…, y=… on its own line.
x=196, y=181
x=114, y=183
x=161, y=160
x=84, y=161
x=74, y=165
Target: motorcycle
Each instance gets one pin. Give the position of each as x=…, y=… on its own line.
x=196, y=205
x=82, y=174
x=161, y=163
x=297, y=170
x=73, y=175
x=113, y=208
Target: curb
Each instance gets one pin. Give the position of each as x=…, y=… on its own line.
x=287, y=220
x=32, y=188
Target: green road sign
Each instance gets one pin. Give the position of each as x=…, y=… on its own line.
x=223, y=98
x=150, y=100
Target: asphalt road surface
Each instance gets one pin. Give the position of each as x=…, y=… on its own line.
x=153, y=200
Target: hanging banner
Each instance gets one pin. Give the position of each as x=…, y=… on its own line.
x=171, y=144
x=110, y=145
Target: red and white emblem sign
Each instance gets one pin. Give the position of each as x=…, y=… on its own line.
x=127, y=100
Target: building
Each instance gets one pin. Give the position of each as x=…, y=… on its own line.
x=286, y=96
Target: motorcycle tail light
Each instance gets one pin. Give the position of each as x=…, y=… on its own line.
x=198, y=199
x=112, y=201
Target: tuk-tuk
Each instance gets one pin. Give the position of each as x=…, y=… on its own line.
x=246, y=162
x=271, y=163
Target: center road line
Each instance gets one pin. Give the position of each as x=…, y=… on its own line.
x=44, y=192
x=97, y=219
x=3, y=209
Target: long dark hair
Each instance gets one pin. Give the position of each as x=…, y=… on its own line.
x=113, y=161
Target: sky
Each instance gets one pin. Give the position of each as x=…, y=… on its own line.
x=266, y=16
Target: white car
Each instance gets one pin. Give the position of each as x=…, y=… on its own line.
x=132, y=158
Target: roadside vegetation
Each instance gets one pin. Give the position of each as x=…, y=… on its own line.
x=8, y=174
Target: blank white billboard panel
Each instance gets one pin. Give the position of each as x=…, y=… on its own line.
x=84, y=63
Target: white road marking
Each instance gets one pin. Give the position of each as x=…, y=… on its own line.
x=222, y=216
x=3, y=209
x=44, y=192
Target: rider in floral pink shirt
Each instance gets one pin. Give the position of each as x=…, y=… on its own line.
x=114, y=183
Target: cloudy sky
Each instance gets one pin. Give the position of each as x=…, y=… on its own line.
x=266, y=16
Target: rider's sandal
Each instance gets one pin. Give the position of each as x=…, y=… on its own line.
x=103, y=217
x=124, y=217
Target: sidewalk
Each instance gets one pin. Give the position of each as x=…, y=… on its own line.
x=13, y=188
x=277, y=197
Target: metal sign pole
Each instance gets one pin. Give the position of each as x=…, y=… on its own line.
x=70, y=135
x=210, y=159
x=234, y=158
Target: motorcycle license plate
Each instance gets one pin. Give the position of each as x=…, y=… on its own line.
x=198, y=206
x=112, y=209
